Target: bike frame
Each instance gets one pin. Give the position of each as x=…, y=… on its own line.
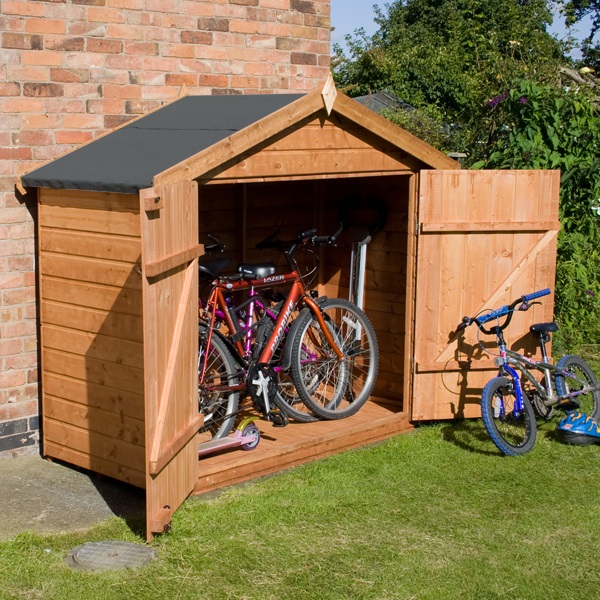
x=217, y=308
x=512, y=363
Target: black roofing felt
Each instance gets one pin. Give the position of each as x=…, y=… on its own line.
x=127, y=159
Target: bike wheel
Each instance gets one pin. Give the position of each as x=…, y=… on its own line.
x=332, y=388
x=218, y=407
x=512, y=433
x=589, y=403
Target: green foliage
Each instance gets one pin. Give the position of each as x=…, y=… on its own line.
x=544, y=127
x=448, y=57
x=577, y=10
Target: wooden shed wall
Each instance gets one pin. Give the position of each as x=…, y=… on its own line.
x=91, y=331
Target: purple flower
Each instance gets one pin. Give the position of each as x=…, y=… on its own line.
x=523, y=100
x=495, y=101
x=590, y=293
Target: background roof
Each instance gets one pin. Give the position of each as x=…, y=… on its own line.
x=127, y=159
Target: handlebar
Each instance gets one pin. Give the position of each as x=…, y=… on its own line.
x=308, y=236
x=504, y=311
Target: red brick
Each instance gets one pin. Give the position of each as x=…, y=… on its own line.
x=127, y=4
x=43, y=90
x=126, y=92
x=244, y=2
x=141, y=107
x=15, y=153
x=303, y=58
x=304, y=6
x=112, y=121
x=64, y=105
x=179, y=50
x=70, y=75
x=104, y=46
x=105, y=106
x=145, y=48
x=29, y=9
x=125, y=31
x=85, y=28
x=213, y=24
x=8, y=347
x=109, y=76
x=106, y=15
x=167, y=6
x=18, y=105
x=43, y=121
x=21, y=296
x=10, y=89
x=20, y=73
x=16, y=405
x=12, y=379
x=82, y=121
x=90, y=2
x=213, y=80
x=45, y=26
x=196, y=37
x=66, y=44
x=73, y=137
x=33, y=137
x=42, y=57
x=22, y=41
x=188, y=79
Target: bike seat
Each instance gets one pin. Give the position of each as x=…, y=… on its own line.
x=213, y=268
x=256, y=270
x=544, y=328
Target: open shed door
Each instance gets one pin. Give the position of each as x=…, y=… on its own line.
x=484, y=238
x=170, y=287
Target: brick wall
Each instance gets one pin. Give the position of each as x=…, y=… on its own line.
x=71, y=69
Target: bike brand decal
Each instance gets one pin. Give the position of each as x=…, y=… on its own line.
x=281, y=329
x=273, y=278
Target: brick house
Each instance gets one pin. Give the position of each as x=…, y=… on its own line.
x=73, y=69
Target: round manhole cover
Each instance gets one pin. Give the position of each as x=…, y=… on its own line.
x=103, y=556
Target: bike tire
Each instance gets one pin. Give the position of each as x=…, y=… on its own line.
x=512, y=434
x=589, y=403
x=219, y=408
x=332, y=388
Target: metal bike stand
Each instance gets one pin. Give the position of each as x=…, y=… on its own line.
x=358, y=263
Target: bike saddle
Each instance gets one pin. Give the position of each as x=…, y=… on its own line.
x=213, y=268
x=256, y=270
x=544, y=328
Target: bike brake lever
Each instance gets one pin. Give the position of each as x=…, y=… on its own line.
x=527, y=305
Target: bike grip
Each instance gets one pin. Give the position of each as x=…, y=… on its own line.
x=495, y=314
x=306, y=233
x=539, y=294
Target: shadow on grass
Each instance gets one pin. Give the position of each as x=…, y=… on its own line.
x=470, y=434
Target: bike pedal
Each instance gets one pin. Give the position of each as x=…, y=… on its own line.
x=278, y=419
x=568, y=404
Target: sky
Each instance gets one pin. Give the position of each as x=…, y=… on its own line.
x=348, y=15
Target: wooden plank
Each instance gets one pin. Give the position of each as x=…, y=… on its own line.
x=94, y=444
x=95, y=321
x=499, y=226
x=103, y=347
x=303, y=162
x=120, y=402
x=90, y=418
x=97, y=464
x=91, y=244
x=173, y=261
x=118, y=377
x=125, y=301
x=91, y=270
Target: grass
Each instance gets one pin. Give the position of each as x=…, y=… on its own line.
x=436, y=513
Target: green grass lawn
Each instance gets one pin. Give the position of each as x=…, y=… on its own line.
x=437, y=513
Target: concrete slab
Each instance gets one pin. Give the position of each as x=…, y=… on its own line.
x=43, y=497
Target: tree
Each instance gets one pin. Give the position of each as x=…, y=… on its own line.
x=448, y=57
x=577, y=10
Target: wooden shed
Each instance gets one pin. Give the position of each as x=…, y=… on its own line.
x=121, y=221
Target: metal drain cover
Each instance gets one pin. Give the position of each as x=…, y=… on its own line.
x=104, y=556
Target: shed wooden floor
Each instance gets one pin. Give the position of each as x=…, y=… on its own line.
x=284, y=447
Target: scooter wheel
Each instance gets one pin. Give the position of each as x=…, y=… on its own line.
x=251, y=430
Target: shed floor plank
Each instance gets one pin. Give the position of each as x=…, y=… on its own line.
x=283, y=447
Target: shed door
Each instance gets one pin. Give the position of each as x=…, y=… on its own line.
x=484, y=239
x=170, y=288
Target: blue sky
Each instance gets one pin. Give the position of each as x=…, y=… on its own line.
x=348, y=15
